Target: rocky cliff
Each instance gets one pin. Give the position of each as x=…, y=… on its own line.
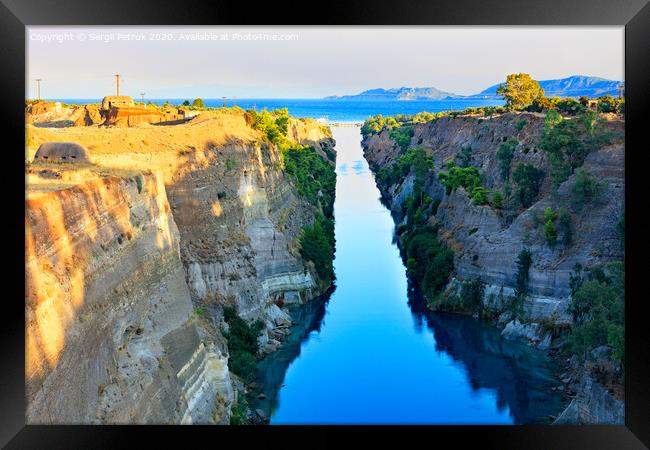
x=131, y=258
x=487, y=240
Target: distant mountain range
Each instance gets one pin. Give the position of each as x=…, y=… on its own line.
x=403, y=93
x=574, y=86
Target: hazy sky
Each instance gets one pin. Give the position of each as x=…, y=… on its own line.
x=301, y=62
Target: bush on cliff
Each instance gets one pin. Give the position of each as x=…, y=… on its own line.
x=569, y=141
x=585, y=189
x=429, y=261
x=597, y=307
x=505, y=154
x=455, y=177
x=317, y=246
x=528, y=180
x=273, y=125
x=402, y=136
x=242, y=343
x=414, y=158
x=314, y=178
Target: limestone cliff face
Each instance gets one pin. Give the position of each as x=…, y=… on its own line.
x=131, y=258
x=487, y=241
x=240, y=218
x=111, y=330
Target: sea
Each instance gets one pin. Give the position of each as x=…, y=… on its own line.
x=332, y=110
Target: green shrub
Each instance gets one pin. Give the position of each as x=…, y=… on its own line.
x=480, y=195
x=471, y=294
x=521, y=123
x=314, y=178
x=317, y=246
x=549, y=214
x=415, y=158
x=402, y=137
x=230, y=164
x=242, y=343
x=504, y=155
x=570, y=106
x=528, y=180
x=524, y=261
x=550, y=233
x=138, y=182
x=585, y=189
x=497, y=199
x=598, y=312
x=569, y=141
x=607, y=104
x=273, y=125
x=239, y=411
x=429, y=261
x=455, y=177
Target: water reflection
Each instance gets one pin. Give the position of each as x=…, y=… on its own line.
x=521, y=376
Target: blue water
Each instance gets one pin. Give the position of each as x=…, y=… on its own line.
x=368, y=355
x=333, y=110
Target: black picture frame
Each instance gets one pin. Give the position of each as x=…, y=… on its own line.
x=15, y=15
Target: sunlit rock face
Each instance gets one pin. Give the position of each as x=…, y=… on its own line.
x=131, y=259
x=110, y=327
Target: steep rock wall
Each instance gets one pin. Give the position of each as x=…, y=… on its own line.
x=111, y=334
x=486, y=241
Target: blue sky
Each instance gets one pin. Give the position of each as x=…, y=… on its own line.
x=307, y=62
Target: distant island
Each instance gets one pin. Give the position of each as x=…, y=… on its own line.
x=402, y=93
x=573, y=86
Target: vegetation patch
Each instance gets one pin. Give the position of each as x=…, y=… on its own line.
x=597, y=307
x=242, y=344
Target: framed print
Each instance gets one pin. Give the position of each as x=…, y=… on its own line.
x=413, y=217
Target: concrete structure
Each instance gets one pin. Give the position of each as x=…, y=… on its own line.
x=61, y=152
x=112, y=101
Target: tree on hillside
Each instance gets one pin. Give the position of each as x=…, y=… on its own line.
x=186, y=103
x=520, y=90
x=198, y=103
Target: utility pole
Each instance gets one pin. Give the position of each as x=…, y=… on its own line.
x=38, y=84
x=224, y=101
x=621, y=89
x=142, y=95
x=117, y=84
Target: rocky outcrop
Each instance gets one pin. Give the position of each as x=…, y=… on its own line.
x=111, y=331
x=592, y=404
